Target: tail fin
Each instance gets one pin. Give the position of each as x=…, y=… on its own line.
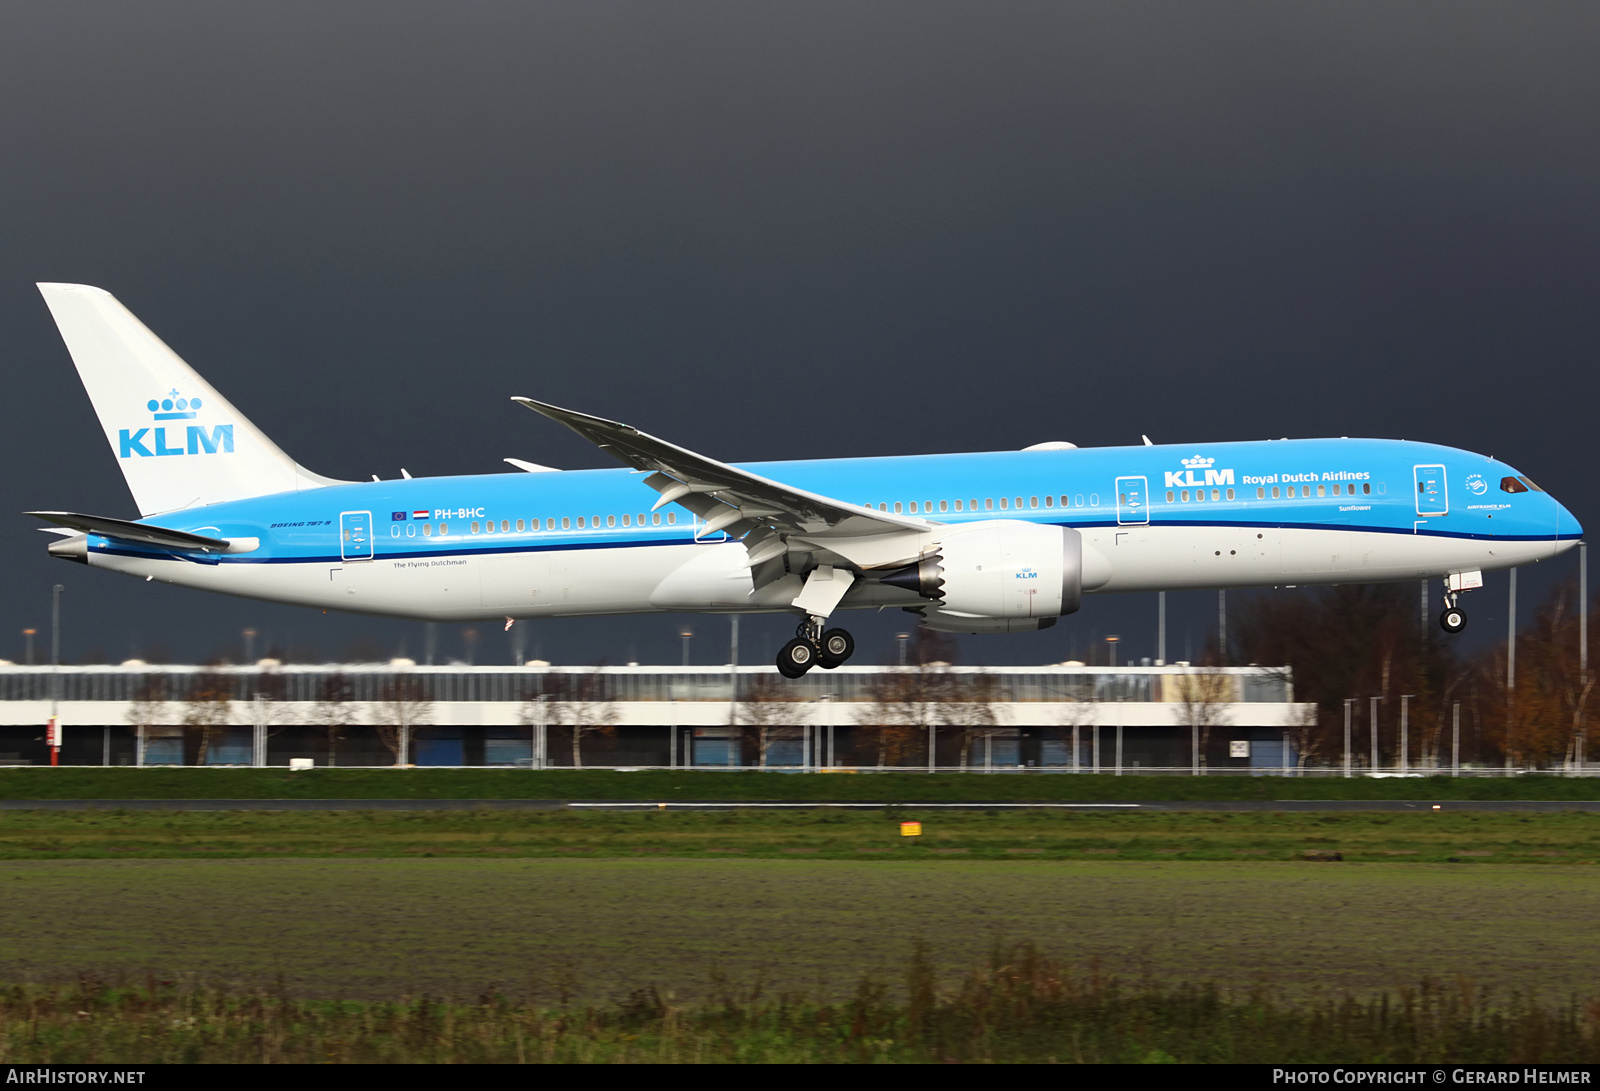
x=180, y=444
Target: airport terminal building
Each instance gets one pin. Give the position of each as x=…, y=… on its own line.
x=1048, y=718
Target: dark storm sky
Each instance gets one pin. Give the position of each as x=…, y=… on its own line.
x=793, y=230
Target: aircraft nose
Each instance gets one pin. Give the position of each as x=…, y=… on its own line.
x=1568, y=529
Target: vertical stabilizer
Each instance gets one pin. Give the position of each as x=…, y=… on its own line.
x=179, y=443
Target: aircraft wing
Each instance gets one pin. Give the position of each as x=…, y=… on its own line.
x=143, y=533
x=737, y=501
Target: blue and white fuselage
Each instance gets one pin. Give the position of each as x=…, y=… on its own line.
x=675, y=531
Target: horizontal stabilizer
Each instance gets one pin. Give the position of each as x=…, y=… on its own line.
x=142, y=533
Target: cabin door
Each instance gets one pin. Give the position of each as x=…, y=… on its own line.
x=1433, y=495
x=1133, y=507
x=355, y=535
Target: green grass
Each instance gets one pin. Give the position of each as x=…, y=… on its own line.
x=598, y=928
x=651, y=785
x=1020, y=1007
x=1569, y=837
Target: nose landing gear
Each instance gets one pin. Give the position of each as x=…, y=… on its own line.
x=1454, y=619
x=812, y=647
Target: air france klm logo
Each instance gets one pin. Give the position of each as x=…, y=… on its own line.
x=1186, y=479
x=150, y=442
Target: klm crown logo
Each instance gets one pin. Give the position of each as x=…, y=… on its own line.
x=172, y=407
x=197, y=440
x=1198, y=462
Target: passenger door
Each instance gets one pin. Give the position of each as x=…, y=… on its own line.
x=355, y=535
x=1133, y=502
x=1433, y=495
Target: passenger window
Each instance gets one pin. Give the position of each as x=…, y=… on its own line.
x=566, y=523
x=1511, y=484
x=897, y=507
x=1185, y=495
x=1230, y=494
x=1077, y=501
x=1049, y=501
x=1003, y=502
x=520, y=526
x=611, y=520
x=1261, y=494
x=1322, y=490
x=427, y=530
x=988, y=503
x=488, y=528
x=944, y=505
x=1033, y=501
x=1275, y=492
x=580, y=522
x=1094, y=500
x=672, y=518
x=549, y=524
x=627, y=520
x=958, y=505
x=1216, y=494
x=505, y=526
x=655, y=519
x=1019, y=503
x=474, y=526
x=444, y=528
x=1169, y=496
x=1366, y=488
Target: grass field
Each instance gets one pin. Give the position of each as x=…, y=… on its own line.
x=1571, y=837
x=379, y=928
x=588, y=784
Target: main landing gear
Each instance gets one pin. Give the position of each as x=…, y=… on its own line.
x=814, y=647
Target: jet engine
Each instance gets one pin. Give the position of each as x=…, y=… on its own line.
x=998, y=569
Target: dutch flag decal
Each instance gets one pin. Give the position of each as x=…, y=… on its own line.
x=420, y=514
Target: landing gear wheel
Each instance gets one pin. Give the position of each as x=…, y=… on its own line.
x=837, y=646
x=1453, y=620
x=797, y=657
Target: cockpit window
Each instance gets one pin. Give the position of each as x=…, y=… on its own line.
x=1528, y=482
x=1512, y=484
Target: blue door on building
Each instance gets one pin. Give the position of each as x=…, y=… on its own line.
x=439, y=746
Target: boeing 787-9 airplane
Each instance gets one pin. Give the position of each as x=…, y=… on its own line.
x=1001, y=541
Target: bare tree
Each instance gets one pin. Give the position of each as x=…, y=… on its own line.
x=1202, y=694
x=774, y=711
x=582, y=703
x=147, y=708
x=904, y=703
x=402, y=706
x=1081, y=710
x=969, y=702
x=207, y=706
x=333, y=711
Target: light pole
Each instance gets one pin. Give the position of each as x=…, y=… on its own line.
x=1111, y=650
x=1405, y=732
x=1374, y=733
x=686, y=635
x=28, y=634
x=55, y=674
x=902, y=638
x=249, y=646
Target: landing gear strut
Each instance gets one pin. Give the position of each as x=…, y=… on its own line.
x=1454, y=619
x=813, y=647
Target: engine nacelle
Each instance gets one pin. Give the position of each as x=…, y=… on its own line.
x=1002, y=569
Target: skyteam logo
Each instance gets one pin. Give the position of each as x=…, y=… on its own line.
x=151, y=442
x=1186, y=479
x=1476, y=485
